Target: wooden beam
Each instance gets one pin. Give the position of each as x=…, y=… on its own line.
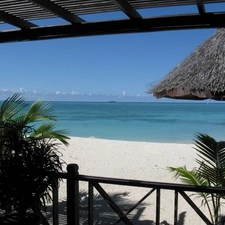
x=179, y=22
x=201, y=7
x=15, y=21
x=58, y=10
x=127, y=9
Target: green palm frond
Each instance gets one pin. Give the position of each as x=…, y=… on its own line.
x=216, y=175
x=16, y=109
x=39, y=111
x=211, y=159
x=194, y=177
x=11, y=107
x=188, y=177
x=208, y=150
x=206, y=147
x=48, y=130
x=210, y=171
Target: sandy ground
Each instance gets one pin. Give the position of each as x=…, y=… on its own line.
x=131, y=160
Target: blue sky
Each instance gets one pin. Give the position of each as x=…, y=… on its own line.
x=112, y=67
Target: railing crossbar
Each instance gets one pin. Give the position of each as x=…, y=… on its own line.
x=112, y=204
x=197, y=210
x=137, y=204
x=149, y=184
x=43, y=220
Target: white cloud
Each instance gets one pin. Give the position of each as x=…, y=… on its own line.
x=23, y=90
x=74, y=93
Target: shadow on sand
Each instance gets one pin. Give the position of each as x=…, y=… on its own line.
x=104, y=215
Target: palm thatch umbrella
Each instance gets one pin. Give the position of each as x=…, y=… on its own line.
x=200, y=76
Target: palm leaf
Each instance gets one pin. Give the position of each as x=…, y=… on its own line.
x=39, y=111
x=11, y=107
x=192, y=177
x=188, y=177
x=206, y=147
x=211, y=171
x=215, y=175
x=48, y=130
x=211, y=159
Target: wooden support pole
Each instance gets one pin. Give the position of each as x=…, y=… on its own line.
x=90, y=204
x=158, y=194
x=175, y=206
x=72, y=195
x=55, y=203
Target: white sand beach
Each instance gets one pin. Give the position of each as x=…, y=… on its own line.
x=133, y=160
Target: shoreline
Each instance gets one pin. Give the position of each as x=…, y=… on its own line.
x=189, y=141
x=145, y=161
x=99, y=153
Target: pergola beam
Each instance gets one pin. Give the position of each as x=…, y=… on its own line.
x=201, y=7
x=116, y=27
x=127, y=9
x=15, y=21
x=59, y=11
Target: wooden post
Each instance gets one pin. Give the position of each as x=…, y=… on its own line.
x=55, y=203
x=175, y=207
x=90, y=204
x=157, y=206
x=72, y=195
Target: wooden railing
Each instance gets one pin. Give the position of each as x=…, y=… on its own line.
x=73, y=213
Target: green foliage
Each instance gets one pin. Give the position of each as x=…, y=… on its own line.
x=29, y=156
x=11, y=107
x=38, y=115
x=192, y=177
x=210, y=171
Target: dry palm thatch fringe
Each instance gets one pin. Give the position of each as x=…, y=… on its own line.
x=200, y=76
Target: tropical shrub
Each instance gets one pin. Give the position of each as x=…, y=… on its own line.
x=29, y=155
x=38, y=115
x=210, y=172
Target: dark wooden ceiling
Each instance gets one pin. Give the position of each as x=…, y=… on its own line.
x=32, y=19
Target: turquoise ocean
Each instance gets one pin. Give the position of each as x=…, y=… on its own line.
x=142, y=121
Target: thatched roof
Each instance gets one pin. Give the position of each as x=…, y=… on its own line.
x=200, y=76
